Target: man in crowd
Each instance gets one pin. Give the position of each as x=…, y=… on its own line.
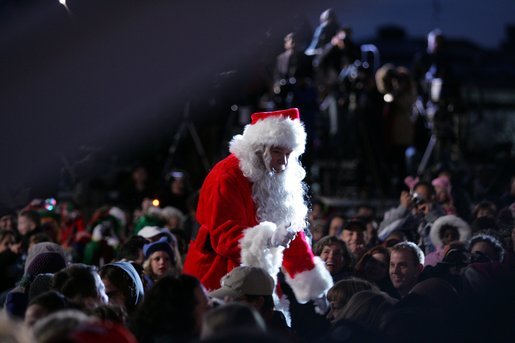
x=414, y=216
x=251, y=209
x=406, y=264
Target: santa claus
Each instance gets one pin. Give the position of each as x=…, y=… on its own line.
x=252, y=211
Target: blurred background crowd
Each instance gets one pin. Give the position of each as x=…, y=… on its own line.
x=409, y=140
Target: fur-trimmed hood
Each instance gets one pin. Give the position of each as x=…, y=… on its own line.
x=452, y=220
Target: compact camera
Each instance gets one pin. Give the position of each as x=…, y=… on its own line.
x=417, y=199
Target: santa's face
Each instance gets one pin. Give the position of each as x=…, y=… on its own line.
x=279, y=158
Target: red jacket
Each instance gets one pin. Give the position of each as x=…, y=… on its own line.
x=226, y=213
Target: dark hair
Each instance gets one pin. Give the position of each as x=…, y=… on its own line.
x=121, y=280
x=330, y=219
x=483, y=223
x=131, y=249
x=368, y=307
x=52, y=301
x=355, y=225
x=485, y=205
x=428, y=186
x=330, y=240
x=168, y=308
x=76, y=280
x=362, y=262
x=492, y=240
x=33, y=216
x=40, y=237
x=109, y=312
x=447, y=227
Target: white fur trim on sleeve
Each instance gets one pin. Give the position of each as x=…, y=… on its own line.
x=283, y=304
x=311, y=284
x=255, y=251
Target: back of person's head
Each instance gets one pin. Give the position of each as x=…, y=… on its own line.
x=438, y=291
x=12, y=331
x=132, y=250
x=169, y=307
x=111, y=313
x=368, y=308
x=230, y=317
x=340, y=294
x=405, y=321
x=40, y=238
x=483, y=223
x=43, y=305
x=364, y=264
x=80, y=283
x=58, y=325
x=52, y=301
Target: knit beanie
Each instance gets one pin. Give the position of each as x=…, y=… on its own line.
x=160, y=245
x=45, y=257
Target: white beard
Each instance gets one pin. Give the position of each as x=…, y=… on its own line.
x=279, y=197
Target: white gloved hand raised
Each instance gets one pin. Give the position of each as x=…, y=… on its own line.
x=282, y=236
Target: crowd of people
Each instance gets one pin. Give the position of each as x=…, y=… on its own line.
x=246, y=257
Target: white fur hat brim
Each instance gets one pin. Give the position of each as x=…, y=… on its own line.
x=272, y=131
x=452, y=220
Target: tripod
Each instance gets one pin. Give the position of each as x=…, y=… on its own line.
x=187, y=126
x=440, y=123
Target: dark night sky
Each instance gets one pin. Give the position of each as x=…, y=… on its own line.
x=99, y=76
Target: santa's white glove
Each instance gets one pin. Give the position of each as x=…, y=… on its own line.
x=321, y=305
x=282, y=236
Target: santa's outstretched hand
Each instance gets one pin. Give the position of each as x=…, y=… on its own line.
x=282, y=236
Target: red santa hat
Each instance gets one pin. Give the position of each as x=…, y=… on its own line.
x=278, y=128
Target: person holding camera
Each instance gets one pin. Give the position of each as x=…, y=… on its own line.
x=414, y=216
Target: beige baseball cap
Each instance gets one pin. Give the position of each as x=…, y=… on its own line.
x=245, y=280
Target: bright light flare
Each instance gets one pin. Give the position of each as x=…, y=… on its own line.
x=388, y=97
x=63, y=2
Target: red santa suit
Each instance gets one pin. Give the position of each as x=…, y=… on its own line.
x=230, y=231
